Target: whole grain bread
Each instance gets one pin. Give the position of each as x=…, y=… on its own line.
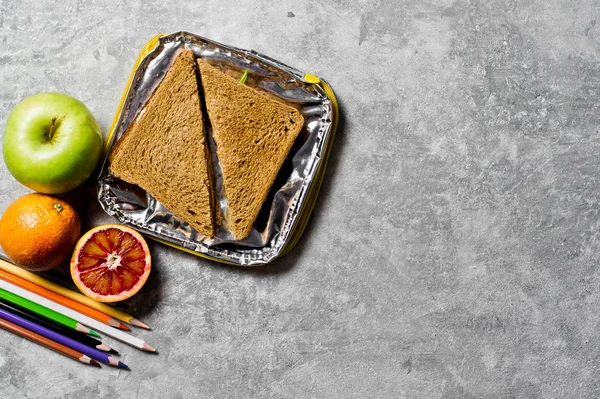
x=165, y=151
x=253, y=133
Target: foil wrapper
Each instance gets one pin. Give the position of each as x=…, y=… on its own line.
x=287, y=200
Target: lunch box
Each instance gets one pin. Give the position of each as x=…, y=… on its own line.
x=287, y=209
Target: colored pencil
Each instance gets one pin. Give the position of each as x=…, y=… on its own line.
x=44, y=311
x=53, y=296
x=95, y=354
x=59, y=289
x=52, y=325
x=48, y=343
x=88, y=321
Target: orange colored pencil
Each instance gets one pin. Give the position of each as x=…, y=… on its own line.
x=53, y=296
x=35, y=337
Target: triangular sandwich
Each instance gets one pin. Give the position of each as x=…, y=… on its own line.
x=254, y=133
x=165, y=151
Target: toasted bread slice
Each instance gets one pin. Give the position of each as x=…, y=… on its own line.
x=253, y=133
x=165, y=151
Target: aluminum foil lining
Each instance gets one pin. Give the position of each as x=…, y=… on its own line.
x=287, y=199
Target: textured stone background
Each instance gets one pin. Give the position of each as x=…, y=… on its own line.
x=454, y=249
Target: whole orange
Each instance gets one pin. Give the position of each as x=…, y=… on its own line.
x=38, y=231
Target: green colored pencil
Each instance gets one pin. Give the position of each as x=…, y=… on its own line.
x=44, y=311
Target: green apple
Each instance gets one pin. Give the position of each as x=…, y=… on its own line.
x=52, y=143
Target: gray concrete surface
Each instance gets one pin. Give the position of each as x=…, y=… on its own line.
x=455, y=246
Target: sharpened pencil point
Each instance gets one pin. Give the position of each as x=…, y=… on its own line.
x=82, y=328
x=103, y=348
x=86, y=359
x=113, y=323
x=94, y=334
x=114, y=362
x=148, y=348
x=123, y=327
x=137, y=323
x=95, y=363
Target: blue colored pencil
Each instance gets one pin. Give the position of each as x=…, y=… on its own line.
x=61, y=339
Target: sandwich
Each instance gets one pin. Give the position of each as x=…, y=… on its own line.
x=165, y=150
x=253, y=132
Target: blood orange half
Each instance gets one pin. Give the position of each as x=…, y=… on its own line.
x=110, y=263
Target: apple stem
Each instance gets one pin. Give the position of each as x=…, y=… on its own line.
x=51, y=131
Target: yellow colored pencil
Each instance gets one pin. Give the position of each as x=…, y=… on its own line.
x=76, y=296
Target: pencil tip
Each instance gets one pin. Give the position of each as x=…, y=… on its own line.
x=114, y=352
x=94, y=334
x=113, y=323
x=81, y=328
x=95, y=363
x=104, y=348
x=137, y=323
x=114, y=362
x=123, y=366
x=148, y=348
x=123, y=327
x=87, y=360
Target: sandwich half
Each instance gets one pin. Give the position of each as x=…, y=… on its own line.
x=165, y=151
x=253, y=133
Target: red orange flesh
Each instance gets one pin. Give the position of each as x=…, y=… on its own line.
x=110, y=263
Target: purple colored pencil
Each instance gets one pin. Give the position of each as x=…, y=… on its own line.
x=54, y=336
